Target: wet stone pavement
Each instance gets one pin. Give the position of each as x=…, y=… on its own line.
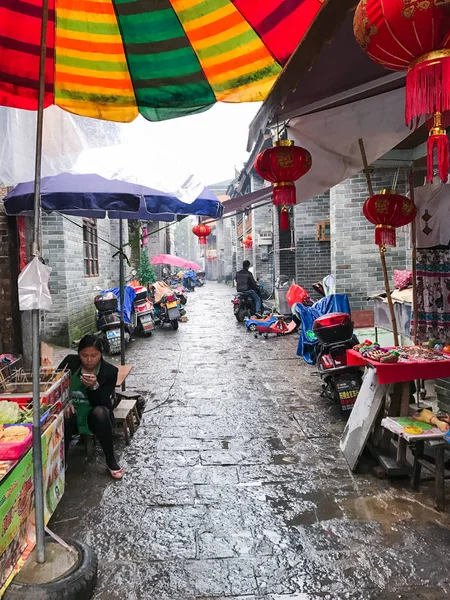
x=235, y=486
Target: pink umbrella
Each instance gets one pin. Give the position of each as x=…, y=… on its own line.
x=194, y=266
x=174, y=261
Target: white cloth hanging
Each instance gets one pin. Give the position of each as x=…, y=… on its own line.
x=433, y=215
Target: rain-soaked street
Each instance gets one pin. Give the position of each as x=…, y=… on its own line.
x=235, y=486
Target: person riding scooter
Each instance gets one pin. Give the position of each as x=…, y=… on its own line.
x=245, y=282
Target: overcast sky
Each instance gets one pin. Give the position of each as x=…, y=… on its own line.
x=209, y=145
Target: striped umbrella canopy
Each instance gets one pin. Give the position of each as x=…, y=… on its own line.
x=114, y=59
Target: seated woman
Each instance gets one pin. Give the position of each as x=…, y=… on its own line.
x=92, y=385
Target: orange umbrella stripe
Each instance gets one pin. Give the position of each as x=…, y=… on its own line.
x=86, y=46
x=98, y=83
x=220, y=26
x=231, y=65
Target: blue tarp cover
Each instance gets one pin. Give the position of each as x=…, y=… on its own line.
x=307, y=342
x=129, y=296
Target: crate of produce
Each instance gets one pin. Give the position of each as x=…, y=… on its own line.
x=12, y=413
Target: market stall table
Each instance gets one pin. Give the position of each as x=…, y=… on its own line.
x=17, y=517
x=365, y=416
x=124, y=371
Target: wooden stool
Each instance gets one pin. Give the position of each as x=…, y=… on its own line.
x=124, y=415
x=131, y=396
x=436, y=466
x=133, y=408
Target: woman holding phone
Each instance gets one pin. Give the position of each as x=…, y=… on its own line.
x=92, y=385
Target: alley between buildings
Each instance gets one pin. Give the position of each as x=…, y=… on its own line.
x=235, y=485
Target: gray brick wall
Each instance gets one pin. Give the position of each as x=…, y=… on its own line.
x=10, y=335
x=73, y=294
x=263, y=267
x=355, y=260
x=313, y=258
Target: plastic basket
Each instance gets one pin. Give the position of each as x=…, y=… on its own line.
x=14, y=451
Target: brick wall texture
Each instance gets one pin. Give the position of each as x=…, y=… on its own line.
x=355, y=260
x=313, y=258
x=260, y=257
x=73, y=294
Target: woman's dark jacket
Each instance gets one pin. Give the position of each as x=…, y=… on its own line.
x=107, y=380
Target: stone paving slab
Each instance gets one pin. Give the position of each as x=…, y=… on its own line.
x=235, y=486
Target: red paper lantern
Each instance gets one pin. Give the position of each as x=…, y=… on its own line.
x=248, y=241
x=387, y=211
x=282, y=165
x=201, y=231
x=413, y=36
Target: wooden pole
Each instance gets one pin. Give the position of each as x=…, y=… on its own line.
x=382, y=249
x=414, y=259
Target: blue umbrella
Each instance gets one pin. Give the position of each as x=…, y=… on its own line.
x=93, y=196
x=96, y=197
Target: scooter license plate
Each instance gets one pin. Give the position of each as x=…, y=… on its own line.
x=173, y=313
x=172, y=304
x=114, y=333
x=147, y=325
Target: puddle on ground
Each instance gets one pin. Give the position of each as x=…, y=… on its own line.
x=275, y=443
x=316, y=507
x=225, y=445
x=388, y=511
x=285, y=459
x=293, y=438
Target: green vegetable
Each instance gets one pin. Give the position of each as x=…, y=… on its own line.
x=9, y=413
x=26, y=414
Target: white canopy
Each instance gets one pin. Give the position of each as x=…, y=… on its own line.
x=74, y=144
x=332, y=138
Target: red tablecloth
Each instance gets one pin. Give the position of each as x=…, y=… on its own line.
x=402, y=371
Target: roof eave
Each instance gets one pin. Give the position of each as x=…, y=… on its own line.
x=324, y=27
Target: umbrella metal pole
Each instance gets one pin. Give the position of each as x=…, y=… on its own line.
x=35, y=315
x=387, y=288
x=122, y=297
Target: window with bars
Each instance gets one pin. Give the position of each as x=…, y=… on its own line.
x=90, y=247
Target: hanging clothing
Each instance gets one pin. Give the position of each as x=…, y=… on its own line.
x=433, y=215
x=433, y=294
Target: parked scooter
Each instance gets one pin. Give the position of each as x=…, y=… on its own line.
x=142, y=314
x=341, y=383
x=166, y=308
x=181, y=294
x=109, y=322
x=201, y=278
x=244, y=306
x=190, y=281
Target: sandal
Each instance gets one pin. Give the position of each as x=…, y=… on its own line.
x=116, y=474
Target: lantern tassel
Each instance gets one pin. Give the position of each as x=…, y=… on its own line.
x=440, y=140
x=385, y=235
x=284, y=219
x=427, y=88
